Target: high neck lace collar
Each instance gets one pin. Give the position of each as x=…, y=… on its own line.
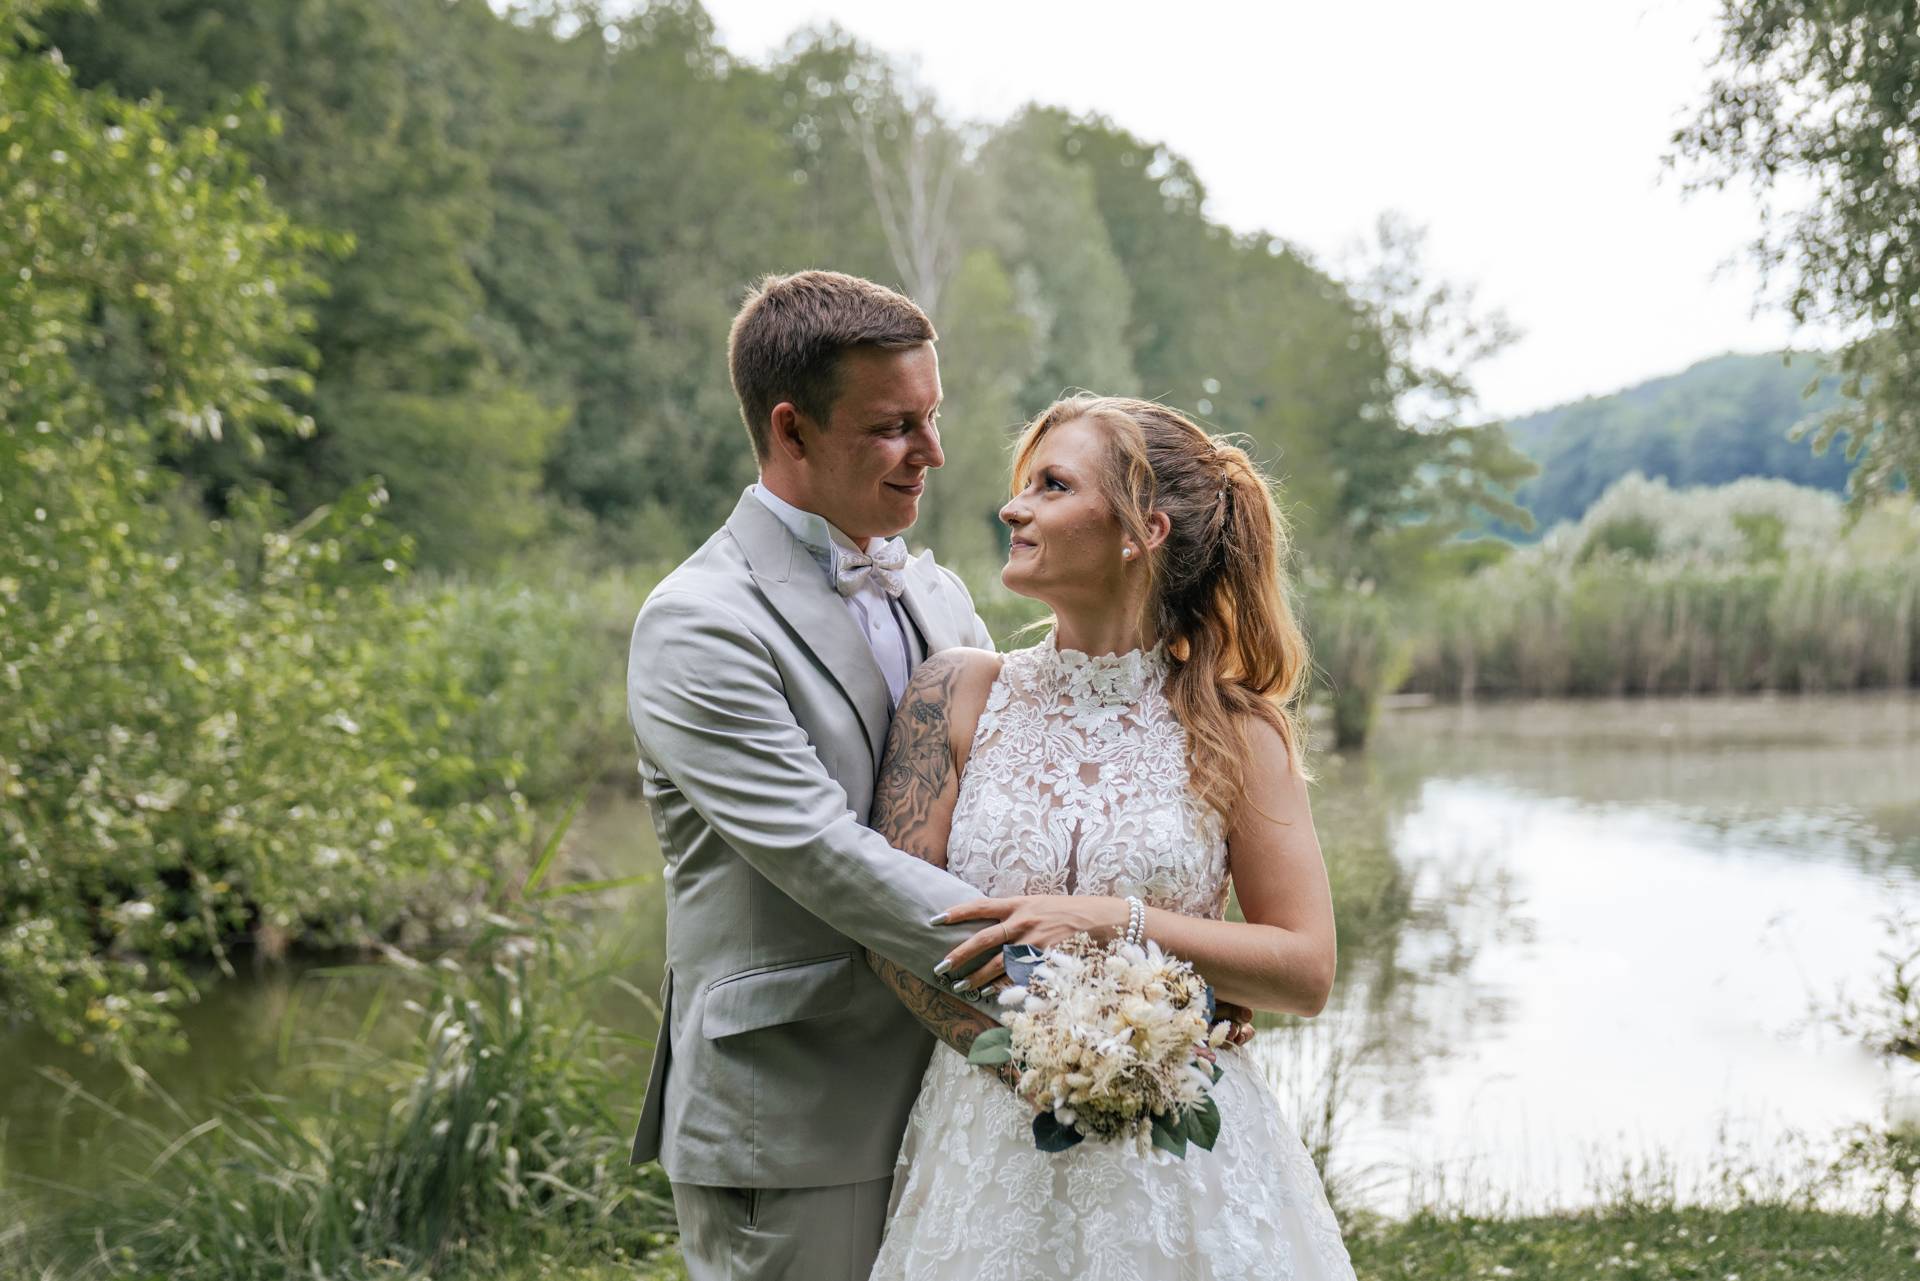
x=1106, y=680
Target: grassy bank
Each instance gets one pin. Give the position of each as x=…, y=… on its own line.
x=1633, y=1243
x=1656, y=1243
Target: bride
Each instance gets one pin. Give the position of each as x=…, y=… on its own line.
x=1148, y=749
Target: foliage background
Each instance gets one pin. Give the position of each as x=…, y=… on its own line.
x=363, y=365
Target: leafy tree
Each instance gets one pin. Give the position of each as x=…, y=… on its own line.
x=1822, y=96
x=1177, y=263
x=986, y=348
x=1036, y=210
x=133, y=250
x=1419, y=470
x=813, y=101
x=676, y=223
x=219, y=731
x=362, y=141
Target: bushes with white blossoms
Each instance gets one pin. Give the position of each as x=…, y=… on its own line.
x=1105, y=1040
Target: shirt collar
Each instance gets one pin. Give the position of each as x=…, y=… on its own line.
x=815, y=532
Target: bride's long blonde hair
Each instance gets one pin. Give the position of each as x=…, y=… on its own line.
x=1216, y=588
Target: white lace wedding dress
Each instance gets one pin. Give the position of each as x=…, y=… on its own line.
x=1077, y=783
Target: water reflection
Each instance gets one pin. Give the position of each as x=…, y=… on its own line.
x=1619, y=923
x=271, y=1024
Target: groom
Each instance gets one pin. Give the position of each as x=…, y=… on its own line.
x=761, y=681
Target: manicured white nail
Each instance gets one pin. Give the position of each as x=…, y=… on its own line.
x=944, y=966
x=938, y=918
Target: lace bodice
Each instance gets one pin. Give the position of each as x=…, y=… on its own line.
x=1077, y=784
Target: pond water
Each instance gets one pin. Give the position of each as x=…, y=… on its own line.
x=1574, y=937
x=1624, y=928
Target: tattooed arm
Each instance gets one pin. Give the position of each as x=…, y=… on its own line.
x=913, y=807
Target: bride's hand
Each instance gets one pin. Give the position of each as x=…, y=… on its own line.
x=1039, y=919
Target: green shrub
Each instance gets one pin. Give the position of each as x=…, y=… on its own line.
x=527, y=677
x=204, y=753
x=281, y=746
x=219, y=733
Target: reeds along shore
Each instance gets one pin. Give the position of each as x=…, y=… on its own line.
x=491, y=1139
x=1613, y=629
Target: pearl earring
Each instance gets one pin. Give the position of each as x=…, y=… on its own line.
x=1126, y=553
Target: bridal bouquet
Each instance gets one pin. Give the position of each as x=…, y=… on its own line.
x=1105, y=1038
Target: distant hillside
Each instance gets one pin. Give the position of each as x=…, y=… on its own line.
x=1712, y=423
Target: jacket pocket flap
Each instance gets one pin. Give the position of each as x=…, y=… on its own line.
x=785, y=994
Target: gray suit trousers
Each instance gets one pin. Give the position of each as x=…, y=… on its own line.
x=781, y=1234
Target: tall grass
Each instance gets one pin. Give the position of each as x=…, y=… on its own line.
x=1757, y=586
x=1618, y=627
x=490, y=1138
x=1360, y=654
x=1657, y=1241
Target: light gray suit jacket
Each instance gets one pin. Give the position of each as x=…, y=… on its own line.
x=761, y=715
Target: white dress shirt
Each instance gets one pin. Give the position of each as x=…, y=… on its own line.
x=877, y=615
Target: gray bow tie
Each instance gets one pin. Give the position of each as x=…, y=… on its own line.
x=883, y=560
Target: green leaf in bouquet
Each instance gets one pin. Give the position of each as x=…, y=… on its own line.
x=1218, y=1072
x=1051, y=1136
x=1203, y=1123
x=991, y=1048
x=1169, y=1135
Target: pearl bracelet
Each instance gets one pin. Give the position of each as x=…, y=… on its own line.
x=1136, y=922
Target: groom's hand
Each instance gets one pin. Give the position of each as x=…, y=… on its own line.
x=1240, y=1016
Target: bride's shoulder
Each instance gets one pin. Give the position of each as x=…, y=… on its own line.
x=1269, y=761
x=955, y=675
x=951, y=688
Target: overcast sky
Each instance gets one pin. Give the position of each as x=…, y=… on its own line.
x=1526, y=137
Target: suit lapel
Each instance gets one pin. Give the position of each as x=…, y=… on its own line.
x=802, y=597
x=922, y=584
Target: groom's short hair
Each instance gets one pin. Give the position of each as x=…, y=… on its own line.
x=786, y=341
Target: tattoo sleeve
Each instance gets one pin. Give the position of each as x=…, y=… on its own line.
x=914, y=795
x=941, y=1013
x=913, y=808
